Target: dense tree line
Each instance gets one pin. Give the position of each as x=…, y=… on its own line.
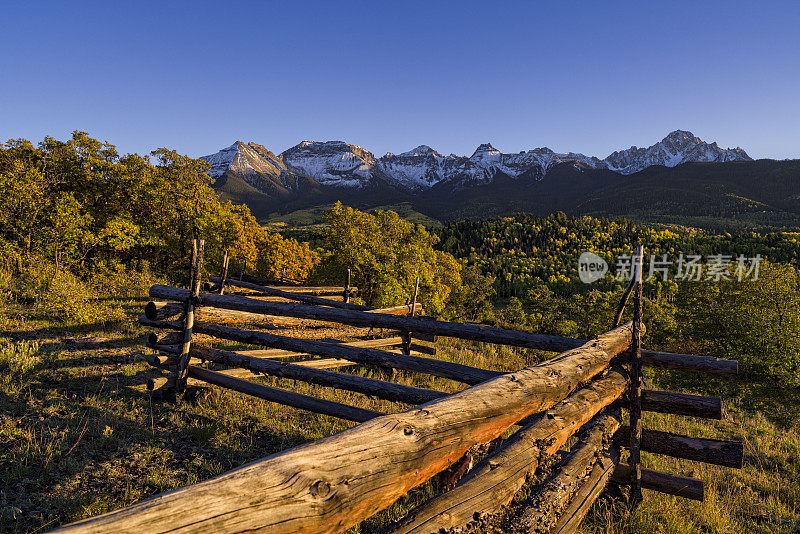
x=525, y=251
x=386, y=255
x=77, y=212
x=533, y=263
x=83, y=207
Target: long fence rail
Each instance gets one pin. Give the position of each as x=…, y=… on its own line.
x=336, y=482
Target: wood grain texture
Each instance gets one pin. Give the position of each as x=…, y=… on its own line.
x=563, y=501
x=710, y=451
x=682, y=404
x=689, y=488
x=494, y=481
x=377, y=320
x=589, y=492
x=690, y=362
x=331, y=484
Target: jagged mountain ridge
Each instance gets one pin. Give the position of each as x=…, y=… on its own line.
x=339, y=164
x=678, y=147
x=256, y=165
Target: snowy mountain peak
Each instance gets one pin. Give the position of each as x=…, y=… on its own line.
x=682, y=135
x=331, y=162
x=677, y=147
x=485, y=150
x=421, y=150
x=254, y=163
x=337, y=163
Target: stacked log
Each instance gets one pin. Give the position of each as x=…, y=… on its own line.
x=308, y=489
x=419, y=325
x=386, y=457
x=495, y=480
x=563, y=501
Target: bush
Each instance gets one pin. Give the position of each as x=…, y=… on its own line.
x=385, y=255
x=63, y=296
x=513, y=315
x=755, y=322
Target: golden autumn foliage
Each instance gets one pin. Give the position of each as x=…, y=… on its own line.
x=81, y=206
x=385, y=255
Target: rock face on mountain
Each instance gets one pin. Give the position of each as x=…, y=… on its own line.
x=339, y=164
x=678, y=147
x=332, y=163
x=255, y=165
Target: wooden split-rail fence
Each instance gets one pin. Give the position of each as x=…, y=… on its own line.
x=336, y=482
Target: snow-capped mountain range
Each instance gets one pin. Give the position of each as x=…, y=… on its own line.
x=336, y=163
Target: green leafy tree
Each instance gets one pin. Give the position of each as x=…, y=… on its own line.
x=386, y=254
x=755, y=322
x=513, y=315
x=81, y=206
x=472, y=300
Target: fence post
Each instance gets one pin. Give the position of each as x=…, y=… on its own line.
x=636, y=384
x=188, y=323
x=407, y=335
x=346, y=297
x=623, y=301
x=224, y=274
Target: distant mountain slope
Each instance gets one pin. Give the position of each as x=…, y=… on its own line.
x=339, y=164
x=763, y=194
x=743, y=194
x=678, y=147
x=333, y=163
x=681, y=178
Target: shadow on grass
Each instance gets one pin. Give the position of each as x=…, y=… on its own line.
x=779, y=404
x=77, y=446
x=67, y=330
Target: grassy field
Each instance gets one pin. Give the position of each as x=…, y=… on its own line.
x=316, y=215
x=80, y=435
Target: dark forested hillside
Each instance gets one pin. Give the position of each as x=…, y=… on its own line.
x=524, y=251
x=746, y=194
x=758, y=195
x=307, y=194
x=763, y=194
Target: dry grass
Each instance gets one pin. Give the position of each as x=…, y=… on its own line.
x=79, y=435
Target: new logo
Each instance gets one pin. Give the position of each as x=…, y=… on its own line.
x=591, y=267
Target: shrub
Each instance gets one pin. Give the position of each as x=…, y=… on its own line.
x=755, y=322
x=18, y=358
x=386, y=254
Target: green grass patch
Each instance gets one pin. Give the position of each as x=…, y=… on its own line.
x=80, y=435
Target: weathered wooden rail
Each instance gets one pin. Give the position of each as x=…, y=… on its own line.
x=336, y=482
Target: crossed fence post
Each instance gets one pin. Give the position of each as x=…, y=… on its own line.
x=635, y=393
x=181, y=369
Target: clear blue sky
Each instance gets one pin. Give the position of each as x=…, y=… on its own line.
x=588, y=77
